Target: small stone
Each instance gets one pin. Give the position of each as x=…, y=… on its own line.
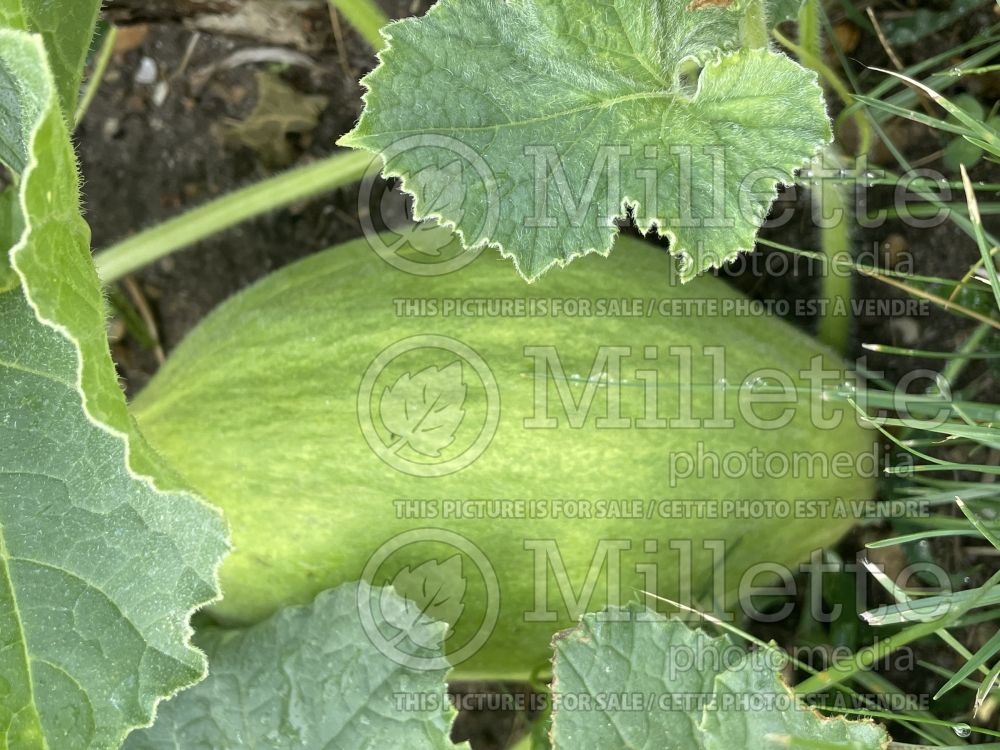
x=160, y=93
x=111, y=128
x=905, y=330
x=147, y=72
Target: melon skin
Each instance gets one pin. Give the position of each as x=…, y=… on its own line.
x=259, y=410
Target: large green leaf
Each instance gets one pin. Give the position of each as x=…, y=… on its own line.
x=99, y=569
x=67, y=27
x=633, y=678
x=309, y=677
x=551, y=117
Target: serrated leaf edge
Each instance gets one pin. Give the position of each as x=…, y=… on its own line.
x=801, y=705
x=582, y=628
x=123, y=437
x=687, y=270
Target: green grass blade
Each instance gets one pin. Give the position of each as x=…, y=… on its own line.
x=987, y=652
x=976, y=521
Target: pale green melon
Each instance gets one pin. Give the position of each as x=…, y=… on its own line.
x=259, y=408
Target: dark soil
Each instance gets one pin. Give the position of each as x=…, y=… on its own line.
x=151, y=150
x=145, y=161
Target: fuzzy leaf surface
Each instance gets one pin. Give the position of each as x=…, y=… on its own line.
x=637, y=679
x=67, y=28
x=564, y=114
x=434, y=591
x=309, y=677
x=100, y=568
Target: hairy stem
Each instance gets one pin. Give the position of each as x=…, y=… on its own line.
x=182, y=231
x=832, y=203
x=831, y=199
x=753, y=25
